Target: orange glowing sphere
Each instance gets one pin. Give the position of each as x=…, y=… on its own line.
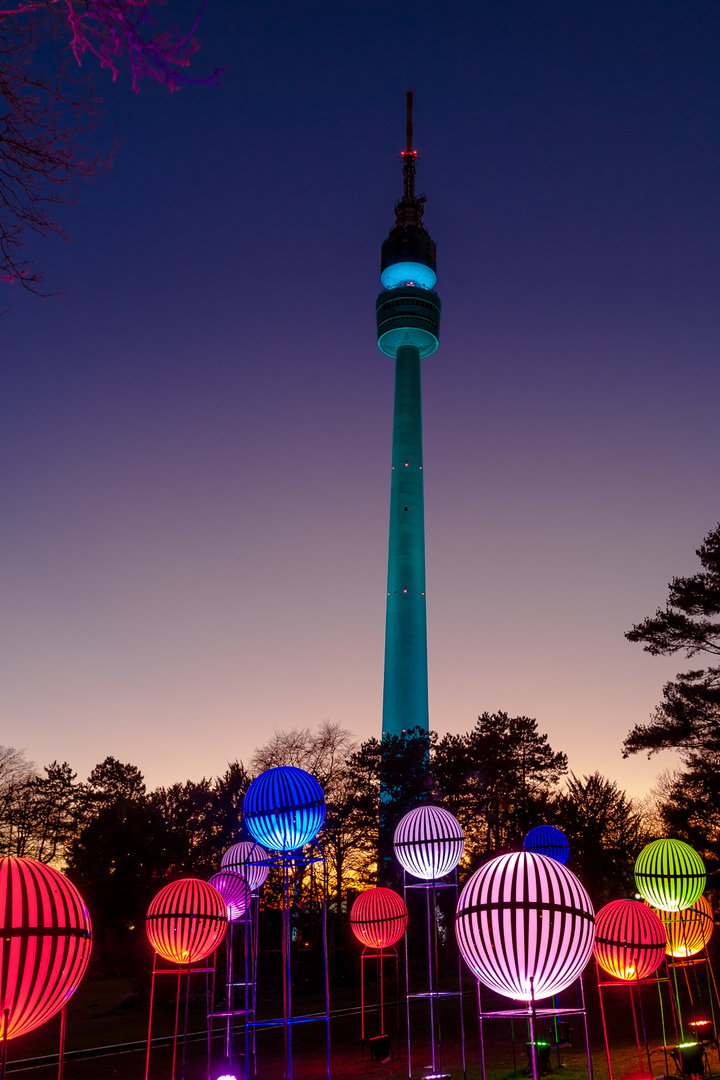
x=629, y=940
x=186, y=921
x=378, y=918
x=690, y=930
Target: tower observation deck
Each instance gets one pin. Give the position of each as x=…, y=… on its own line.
x=408, y=328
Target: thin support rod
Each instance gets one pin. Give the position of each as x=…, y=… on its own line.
x=3, y=1056
x=63, y=1026
x=642, y=1021
x=531, y=1022
x=585, y=1023
x=637, y=1033
x=150, y=1017
x=185, y=1022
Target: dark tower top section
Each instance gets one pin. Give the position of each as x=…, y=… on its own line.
x=408, y=240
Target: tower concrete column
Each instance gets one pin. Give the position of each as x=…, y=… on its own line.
x=405, y=690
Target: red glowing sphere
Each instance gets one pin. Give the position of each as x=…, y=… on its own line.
x=186, y=921
x=45, y=942
x=378, y=918
x=630, y=940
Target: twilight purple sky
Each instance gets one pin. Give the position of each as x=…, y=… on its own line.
x=195, y=435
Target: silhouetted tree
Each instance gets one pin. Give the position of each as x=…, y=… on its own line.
x=47, y=111
x=497, y=779
x=688, y=718
x=606, y=831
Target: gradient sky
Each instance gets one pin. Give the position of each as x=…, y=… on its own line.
x=195, y=435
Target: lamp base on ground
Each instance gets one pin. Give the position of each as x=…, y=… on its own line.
x=381, y=1049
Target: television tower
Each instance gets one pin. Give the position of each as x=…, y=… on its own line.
x=408, y=326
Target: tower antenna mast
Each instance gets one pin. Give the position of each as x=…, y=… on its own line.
x=409, y=154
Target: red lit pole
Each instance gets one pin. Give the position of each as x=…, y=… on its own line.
x=63, y=1024
x=3, y=1061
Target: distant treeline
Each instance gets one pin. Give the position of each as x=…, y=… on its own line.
x=120, y=842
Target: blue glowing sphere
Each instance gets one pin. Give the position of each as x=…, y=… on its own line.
x=549, y=841
x=408, y=273
x=284, y=808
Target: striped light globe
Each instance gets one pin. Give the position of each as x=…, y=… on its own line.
x=245, y=859
x=629, y=940
x=548, y=840
x=378, y=918
x=429, y=842
x=670, y=875
x=45, y=942
x=234, y=890
x=688, y=931
x=186, y=921
x=284, y=808
x=525, y=926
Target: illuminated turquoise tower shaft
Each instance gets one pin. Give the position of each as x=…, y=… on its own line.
x=405, y=690
x=408, y=324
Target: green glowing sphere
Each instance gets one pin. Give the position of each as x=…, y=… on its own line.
x=670, y=875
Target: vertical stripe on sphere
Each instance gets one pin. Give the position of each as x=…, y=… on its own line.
x=547, y=840
x=284, y=808
x=429, y=842
x=245, y=859
x=186, y=921
x=378, y=918
x=629, y=940
x=525, y=926
x=688, y=931
x=234, y=890
x=670, y=875
x=45, y=942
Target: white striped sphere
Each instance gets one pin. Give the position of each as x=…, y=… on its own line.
x=525, y=926
x=670, y=875
x=245, y=859
x=429, y=842
x=629, y=940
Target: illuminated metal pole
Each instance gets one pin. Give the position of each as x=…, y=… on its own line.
x=408, y=326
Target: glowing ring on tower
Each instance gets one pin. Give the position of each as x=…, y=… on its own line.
x=670, y=875
x=378, y=918
x=688, y=931
x=234, y=890
x=429, y=842
x=284, y=808
x=629, y=940
x=408, y=273
x=523, y=916
x=547, y=840
x=186, y=921
x=246, y=859
x=45, y=942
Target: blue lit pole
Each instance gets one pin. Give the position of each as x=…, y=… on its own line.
x=408, y=326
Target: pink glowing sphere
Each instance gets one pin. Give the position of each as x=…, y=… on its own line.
x=234, y=890
x=630, y=940
x=45, y=942
x=525, y=926
x=378, y=918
